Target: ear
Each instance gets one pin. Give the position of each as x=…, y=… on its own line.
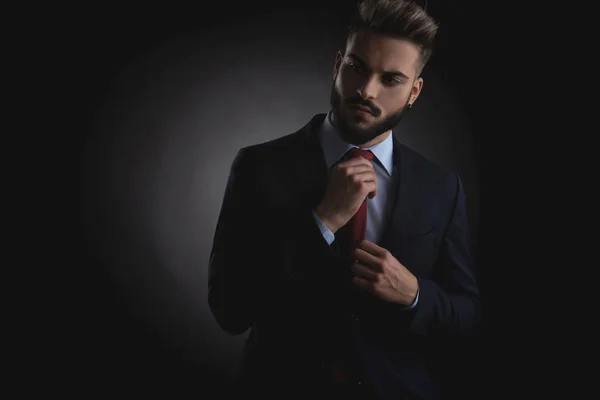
x=415, y=90
x=338, y=62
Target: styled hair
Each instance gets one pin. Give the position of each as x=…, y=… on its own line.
x=401, y=19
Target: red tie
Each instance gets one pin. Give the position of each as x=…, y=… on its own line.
x=356, y=229
x=358, y=223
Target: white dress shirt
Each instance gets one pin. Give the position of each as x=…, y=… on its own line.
x=378, y=208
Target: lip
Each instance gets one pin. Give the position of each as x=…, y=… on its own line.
x=361, y=109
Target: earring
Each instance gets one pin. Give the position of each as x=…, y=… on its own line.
x=409, y=106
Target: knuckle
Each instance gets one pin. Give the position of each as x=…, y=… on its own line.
x=376, y=278
x=386, y=257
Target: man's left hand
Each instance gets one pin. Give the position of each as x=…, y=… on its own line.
x=380, y=273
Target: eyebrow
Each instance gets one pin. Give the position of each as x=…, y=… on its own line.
x=393, y=73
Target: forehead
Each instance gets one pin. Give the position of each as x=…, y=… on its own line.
x=384, y=53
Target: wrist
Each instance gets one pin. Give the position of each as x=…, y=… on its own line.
x=326, y=219
x=414, y=292
x=408, y=297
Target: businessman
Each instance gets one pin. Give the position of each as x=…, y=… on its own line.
x=343, y=251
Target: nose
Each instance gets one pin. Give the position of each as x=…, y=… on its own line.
x=369, y=89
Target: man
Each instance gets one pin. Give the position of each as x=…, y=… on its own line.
x=339, y=306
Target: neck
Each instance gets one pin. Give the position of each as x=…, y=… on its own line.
x=378, y=139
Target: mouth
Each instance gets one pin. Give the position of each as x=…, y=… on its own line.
x=361, y=110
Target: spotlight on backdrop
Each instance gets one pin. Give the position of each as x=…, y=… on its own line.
x=158, y=160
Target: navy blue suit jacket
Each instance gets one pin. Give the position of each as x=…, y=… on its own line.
x=271, y=271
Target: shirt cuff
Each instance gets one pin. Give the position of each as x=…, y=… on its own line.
x=327, y=234
x=414, y=304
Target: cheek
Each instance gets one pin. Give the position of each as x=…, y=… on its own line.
x=342, y=90
x=393, y=101
x=347, y=81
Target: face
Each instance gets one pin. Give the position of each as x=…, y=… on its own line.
x=374, y=81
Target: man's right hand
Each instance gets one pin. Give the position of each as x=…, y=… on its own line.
x=350, y=182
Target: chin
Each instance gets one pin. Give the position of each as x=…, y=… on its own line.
x=353, y=119
x=361, y=124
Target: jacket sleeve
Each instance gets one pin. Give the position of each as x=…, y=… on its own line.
x=231, y=281
x=258, y=249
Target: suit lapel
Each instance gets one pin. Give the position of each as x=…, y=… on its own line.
x=309, y=170
x=400, y=219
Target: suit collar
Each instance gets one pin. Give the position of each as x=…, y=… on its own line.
x=310, y=170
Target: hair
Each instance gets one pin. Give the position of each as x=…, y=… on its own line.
x=401, y=19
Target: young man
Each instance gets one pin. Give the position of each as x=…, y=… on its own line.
x=342, y=250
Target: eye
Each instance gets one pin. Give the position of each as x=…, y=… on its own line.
x=354, y=66
x=392, y=81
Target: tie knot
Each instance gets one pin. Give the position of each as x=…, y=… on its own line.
x=356, y=152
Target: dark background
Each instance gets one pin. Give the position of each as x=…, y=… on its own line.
x=130, y=327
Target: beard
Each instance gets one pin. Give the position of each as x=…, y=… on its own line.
x=347, y=126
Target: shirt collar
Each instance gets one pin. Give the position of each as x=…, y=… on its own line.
x=334, y=147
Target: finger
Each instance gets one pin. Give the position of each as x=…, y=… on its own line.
x=357, y=169
x=363, y=283
x=372, y=249
x=355, y=161
x=369, y=188
x=368, y=178
x=365, y=176
x=368, y=260
x=364, y=272
x=369, y=183
x=373, y=189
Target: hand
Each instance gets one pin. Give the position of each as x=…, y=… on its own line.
x=349, y=184
x=377, y=271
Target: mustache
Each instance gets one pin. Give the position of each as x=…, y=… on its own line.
x=357, y=101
